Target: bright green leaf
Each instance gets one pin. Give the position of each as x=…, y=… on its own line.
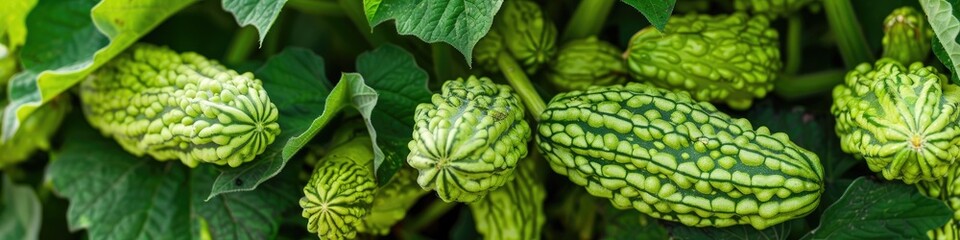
x=775, y=232
x=887, y=210
x=13, y=22
x=459, y=23
x=65, y=44
x=20, y=211
x=115, y=195
x=946, y=25
x=657, y=12
x=402, y=85
x=259, y=14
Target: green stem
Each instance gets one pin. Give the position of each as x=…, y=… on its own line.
x=317, y=7
x=796, y=87
x=843, y=22
x=587, y=19
x=442, y=64
x=433, y=212
x=521, y=84
x=243, y=43
x=794, y=48
x=354, y=11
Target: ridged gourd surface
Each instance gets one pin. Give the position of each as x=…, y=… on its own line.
x=514, y=211
x=948, y=190
x=340, y=191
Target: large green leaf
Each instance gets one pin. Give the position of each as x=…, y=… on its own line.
x=657, y=11
x=874, y=210
x=20, y=211
x=459, y=23
x=946, y=25
x=115, y=195
x=402, y=85
x=70, y=39
x=13, y=23
x=259, y=14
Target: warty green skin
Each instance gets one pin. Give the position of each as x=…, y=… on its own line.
x=392, y=201
x=673, y=158
x=155, y=101
x=948, y=190
x=521, y=30
x=35, y=132
x=468, y=139
x=906, y=36
x=341, y=190
x=588, y=62
x=514, y=211
x=901, y=119
x=724, y=59
x=772, y=8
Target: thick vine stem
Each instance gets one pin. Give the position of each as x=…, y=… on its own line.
x=796, y=87
x=242, y=45
x=794, y=51
x=850, y=40
x=520, y=83
x=587, y=19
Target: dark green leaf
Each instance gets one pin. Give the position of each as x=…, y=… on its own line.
x=875, y=210
x=946, y=26
x=259, y=14
x=630, y=224
x=775, y=232
x=656, y=11
x=20, y=211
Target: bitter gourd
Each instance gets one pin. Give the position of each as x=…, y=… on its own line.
x=902, y=120
x=35, y=132
x=729, y=59
x=587, y=62
x=772, y=8
x=155, y=101
x=514, y=211
x=468, y=139
x=948, y=190
x=340, y=191
x=671, y=157
x=521, y=30
x=906, y=36
x=392, y=201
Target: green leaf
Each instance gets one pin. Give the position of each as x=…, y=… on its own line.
x=657, y=11
x=402, y=85
x=887, y=210
x=946, y=26
x=70, y=39
x=13, y=23
x=775, y=232
x=458, y=23
x=20, y=211
x=259, y=14
x=631, y=224
x=116, y=195
x=295, y=81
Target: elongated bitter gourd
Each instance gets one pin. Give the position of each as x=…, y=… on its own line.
x=155, y=101
x=340, y=191
x=521, y=30
x=902, y=120
x=468, y=139
x=728, y=59
x=666, y=155
x=35, y=132
x=906, y=36
x=514, y=211
x=947, y=189
x=392, y=201
x=587, y=62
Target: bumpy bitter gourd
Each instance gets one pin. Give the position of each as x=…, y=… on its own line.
x=521, y=30
x=901, y=119
x=155, y=101
x=729, y=59
x=340, y=191
x=671, y=157
x=514, y=211
x=392, y=201
x=906, y=36
x=468, y=139
x=35, y=132
x=948, y=190
x=587, y=62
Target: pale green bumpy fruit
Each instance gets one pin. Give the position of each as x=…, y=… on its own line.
x=35, y=132
x=948, y=190
x=771, y=7
x=906, y=36
x=587, y=62
x=392, y=202
x=902, y=120
x=180, y=106
x=340, y=191
x=468, y=139
x=521, y=30
x=673, y=158
x=729, y=59
x=514, y=211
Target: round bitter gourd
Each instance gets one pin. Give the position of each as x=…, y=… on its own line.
x=521, y=30
x=468, y=139
x=35, y=132
x=155, y=101
x=906, y=36
x=514, y=211
x=671, y=157
x=902, y=120
x=392, y=201
x=729, y=59
x=340, y=191
x=587, y=62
